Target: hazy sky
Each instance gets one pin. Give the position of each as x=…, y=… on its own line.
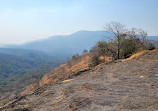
x=26, y=20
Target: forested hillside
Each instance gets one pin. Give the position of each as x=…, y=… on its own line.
x=20, y=69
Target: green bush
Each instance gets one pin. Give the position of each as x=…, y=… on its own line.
x=127, y=48
x=75, y=57
x=5, y=101
x=150, y=46
x=102, y=47
x=106, y=49
x=94, y=61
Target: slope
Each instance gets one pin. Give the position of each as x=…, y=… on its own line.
x=121, y=85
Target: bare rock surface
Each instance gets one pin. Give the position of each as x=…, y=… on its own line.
x=119, y=86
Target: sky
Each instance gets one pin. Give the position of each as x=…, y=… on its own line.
x=26, y=20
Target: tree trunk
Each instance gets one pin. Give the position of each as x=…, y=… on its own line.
x=118, y=50
x=118, y=55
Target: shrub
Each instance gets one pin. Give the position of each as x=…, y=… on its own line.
x=102, y=46
x=150, y=46
x=93, y=49
x=127, y=48
x=106, y=49
x=75, y=57
x=94, y=61
x=4, y=101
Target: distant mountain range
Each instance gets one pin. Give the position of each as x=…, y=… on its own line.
x=67, y=45
x=152, y=38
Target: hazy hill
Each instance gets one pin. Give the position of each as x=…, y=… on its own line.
x=153, y=38
x=67, y=45
x=19, y=52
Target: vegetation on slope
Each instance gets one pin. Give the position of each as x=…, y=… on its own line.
x=125, y=42
x=18, y=70
x=64, y=71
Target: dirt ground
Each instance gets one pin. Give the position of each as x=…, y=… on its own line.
x=130, y=85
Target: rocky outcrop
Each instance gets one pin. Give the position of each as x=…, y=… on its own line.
x=64, y=71
x=30, y=88
x=130, y=85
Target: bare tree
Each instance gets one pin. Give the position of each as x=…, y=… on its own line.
x=133, y=33
x=119, y=32
x=143, y=35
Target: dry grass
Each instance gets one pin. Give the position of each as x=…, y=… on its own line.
x=137, y=54
x=154, y=50
x=105, y=59
x=67, y=80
